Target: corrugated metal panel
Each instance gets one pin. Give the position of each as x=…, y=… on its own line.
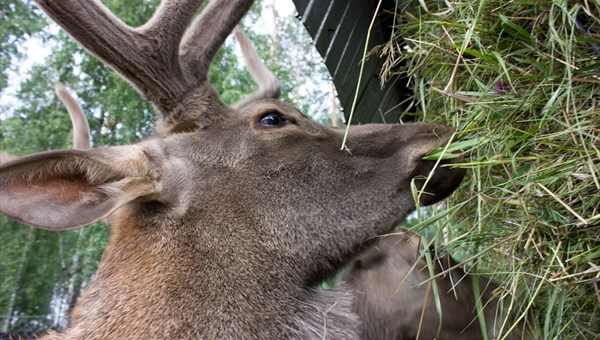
x=339, y=30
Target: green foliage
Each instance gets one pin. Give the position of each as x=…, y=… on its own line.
x=20, y=20
x=521, y=79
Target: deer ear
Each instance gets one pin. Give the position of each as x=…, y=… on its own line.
x=62, y=190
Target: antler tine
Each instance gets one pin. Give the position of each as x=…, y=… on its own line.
x=172, y=17
x=268, y=84
x=81, y=128
x=146, y=56
x=208, y=32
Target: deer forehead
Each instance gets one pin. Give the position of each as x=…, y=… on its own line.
x=238, y=135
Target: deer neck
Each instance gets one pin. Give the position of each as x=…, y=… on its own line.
x=189, y=286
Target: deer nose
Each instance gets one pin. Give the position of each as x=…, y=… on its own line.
x=437, y=182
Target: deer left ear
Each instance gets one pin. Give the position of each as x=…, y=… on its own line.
x=60, y=190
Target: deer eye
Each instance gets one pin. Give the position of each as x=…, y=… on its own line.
x=271, y=120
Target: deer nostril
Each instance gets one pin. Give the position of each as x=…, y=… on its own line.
x=443, y=182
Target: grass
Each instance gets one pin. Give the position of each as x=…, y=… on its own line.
x=521, y=82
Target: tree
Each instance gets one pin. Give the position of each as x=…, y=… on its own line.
x=20, y=20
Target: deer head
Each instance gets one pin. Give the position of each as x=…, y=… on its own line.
x=222, y=225
x=394, y=297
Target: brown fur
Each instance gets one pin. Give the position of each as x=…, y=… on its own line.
x=393, y=291
x=221, y=227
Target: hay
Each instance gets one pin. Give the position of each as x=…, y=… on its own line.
x=522, y=80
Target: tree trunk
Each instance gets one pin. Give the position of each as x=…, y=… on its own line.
x=10, y=306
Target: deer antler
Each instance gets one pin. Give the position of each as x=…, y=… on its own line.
x=268, y=84
x=153, y=57
x=208, y=32
x=81, y=128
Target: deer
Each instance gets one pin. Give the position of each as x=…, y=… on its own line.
x=394, y=296
x=225, y=222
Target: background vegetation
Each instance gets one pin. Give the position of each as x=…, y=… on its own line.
x=521, y=81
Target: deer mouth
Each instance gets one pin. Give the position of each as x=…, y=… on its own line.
x=437, y=182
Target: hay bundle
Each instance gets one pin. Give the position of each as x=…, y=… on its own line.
x=521, y=81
